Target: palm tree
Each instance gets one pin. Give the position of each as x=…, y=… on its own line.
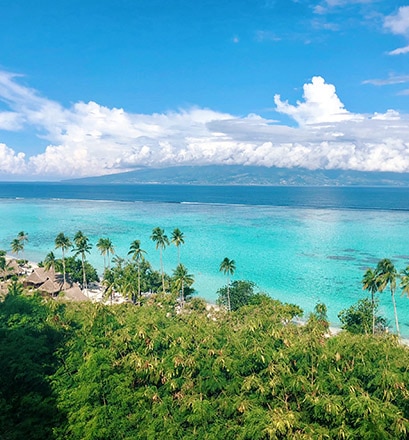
x=23, y=238
x=109, y=284
x=49, y=261
x=15, y=288
x=64, y=243
x=370, y=282
x=3, y=263
x=228, y=267
x=182, y=278
x=138, y=256
x=82, y=246
x=177, y=239
x=106, y=247
x=17, y=246
x=387, y=275
x=404, y=281
x=161, y=240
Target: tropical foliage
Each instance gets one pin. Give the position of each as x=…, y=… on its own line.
x=161, y=240
x=88, y=371
x=228, y=267
x=362, y=318
x=240, y=293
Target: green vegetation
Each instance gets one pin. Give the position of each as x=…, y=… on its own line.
x=64, y=243
x=175, y=368
x=161, y=239
x=81, y=247
x=237, y=294
x=358, y=318
x=228, y=267
x=88, y=371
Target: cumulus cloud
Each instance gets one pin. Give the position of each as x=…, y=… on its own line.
x=321, y=104
x=91, y=139
x=10, y=162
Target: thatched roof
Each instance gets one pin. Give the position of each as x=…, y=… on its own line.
x=47, y=281
x=39, y=275
x=49, y=287
x=74, y=293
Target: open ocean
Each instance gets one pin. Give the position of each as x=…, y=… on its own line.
x=299, y=244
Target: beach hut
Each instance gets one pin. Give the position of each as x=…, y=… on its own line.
x=47, y=281
x=39, y=276
x=74, y=293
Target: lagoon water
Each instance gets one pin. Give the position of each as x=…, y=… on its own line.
x=300, y=245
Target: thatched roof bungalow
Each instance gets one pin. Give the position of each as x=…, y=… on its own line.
x=47, y=281
x=74, y=293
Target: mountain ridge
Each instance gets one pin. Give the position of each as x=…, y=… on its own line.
x=248, y=175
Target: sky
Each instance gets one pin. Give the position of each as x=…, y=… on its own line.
x=94, y=87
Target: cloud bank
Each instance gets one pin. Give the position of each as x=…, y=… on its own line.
x=89, y=139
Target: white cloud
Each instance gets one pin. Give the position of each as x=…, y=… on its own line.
x=91, y=139
x=399, y=51
x=321, y=104
x=10, y=162
x=398, y=24
x=392, y=79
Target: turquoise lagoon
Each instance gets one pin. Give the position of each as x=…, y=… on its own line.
x=297, y=254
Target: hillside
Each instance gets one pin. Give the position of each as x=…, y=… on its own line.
x=249, y=175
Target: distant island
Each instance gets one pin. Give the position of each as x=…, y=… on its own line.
x=249, y=175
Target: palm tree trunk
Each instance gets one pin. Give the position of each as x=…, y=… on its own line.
x=395, y=312
x=161, y=268
x=228, y=295
x=373, y=313
x=84, y=279
x=63, y=267
x=139, y=283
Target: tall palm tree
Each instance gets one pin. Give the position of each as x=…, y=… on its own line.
x=387, y=275
x=82, y=246
x=182, y=278
x=64, y=243
x=49, y=261
x=138, y=256
x=161, y=240
x=106, y=247
x=228, y=267
x=109, y=284
x=370, y=282
x=17, y=246
x=23, y=238
x=177, y=239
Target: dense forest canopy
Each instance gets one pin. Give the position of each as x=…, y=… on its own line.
x=90, y=371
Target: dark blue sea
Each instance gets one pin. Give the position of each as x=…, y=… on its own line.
x=385, y=198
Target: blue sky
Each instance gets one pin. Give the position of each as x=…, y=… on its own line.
x=97, y=87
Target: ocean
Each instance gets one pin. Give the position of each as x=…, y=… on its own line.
x=298, y=244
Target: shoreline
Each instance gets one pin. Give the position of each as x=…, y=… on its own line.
x=96, y=296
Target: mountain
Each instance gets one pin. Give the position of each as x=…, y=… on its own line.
x=248, y=175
